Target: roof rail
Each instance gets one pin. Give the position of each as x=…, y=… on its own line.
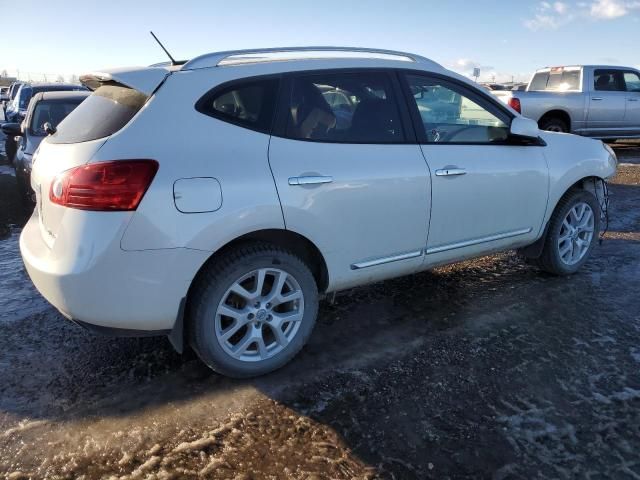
x=236, y=57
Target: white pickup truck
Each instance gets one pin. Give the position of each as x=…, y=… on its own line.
x=595, y=101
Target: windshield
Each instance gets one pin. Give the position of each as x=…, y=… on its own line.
x=24, y=97
x=52, y=112
x=103, y=113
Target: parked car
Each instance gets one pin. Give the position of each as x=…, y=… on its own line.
x=4, y=98
x=46, y=110
x=592, y=100
x=221, y=203
x=17, y=110
x=13, y=89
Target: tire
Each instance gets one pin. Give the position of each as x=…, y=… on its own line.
x=552, y=259
x=214, y=293
x=554, y=124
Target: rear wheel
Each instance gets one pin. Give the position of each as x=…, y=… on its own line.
x=253, y=310
x=554, y=124
x=572, y=233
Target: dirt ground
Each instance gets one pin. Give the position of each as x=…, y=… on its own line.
x=485, y=369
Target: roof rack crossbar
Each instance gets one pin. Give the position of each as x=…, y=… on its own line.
x=216, y=58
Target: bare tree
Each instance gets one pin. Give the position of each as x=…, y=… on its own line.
x=4, y=74
x=60, y=79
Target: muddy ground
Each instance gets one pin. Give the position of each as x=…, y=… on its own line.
x=486, y=369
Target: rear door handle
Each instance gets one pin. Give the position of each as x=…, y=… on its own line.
x=310, y=180
x=633, y=99
x=597, y=99
x=448, y=172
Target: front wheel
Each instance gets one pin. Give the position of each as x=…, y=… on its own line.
x=253, y=310
x=572, y=233
x=554, y=125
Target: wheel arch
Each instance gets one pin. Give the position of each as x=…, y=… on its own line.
x=557, y=113
x=590, y=183
x=290, y=240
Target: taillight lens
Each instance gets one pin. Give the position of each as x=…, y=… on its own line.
x=110, y=186
x=515, y=104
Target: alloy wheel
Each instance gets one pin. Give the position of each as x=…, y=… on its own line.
x=576, y=233
x=259, y=314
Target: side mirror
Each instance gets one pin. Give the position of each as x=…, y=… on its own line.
x=11, y=129
x=49, y=129
x=524, y=127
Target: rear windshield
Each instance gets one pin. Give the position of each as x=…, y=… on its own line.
x=52, y=112
x=558, y=81
x=103, y=113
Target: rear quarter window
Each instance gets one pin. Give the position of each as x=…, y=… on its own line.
x=106, y=111
x=247, y=103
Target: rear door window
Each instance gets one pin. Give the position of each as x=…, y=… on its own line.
x=102, y=114
x=343, y=108
x=248, y=103
x=608, y=81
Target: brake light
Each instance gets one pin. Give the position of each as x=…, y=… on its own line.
x=515, y=104
x=108, y=186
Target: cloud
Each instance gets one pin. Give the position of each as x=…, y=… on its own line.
x=607, y=9
x=549, y=16
x=553, y=15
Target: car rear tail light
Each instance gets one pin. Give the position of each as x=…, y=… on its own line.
x=106, y=186
x=515, y=104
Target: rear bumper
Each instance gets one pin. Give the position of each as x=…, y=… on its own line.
x=90, y=279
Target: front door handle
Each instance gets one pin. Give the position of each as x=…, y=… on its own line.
x=633, y=99
x=310, y=180
x=448, y=172
x=597, y=99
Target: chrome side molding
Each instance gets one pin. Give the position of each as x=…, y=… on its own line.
x=475, y=241
x=443, y=248
x=383, y=260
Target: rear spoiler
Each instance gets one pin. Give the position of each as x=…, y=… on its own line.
x=142, y=79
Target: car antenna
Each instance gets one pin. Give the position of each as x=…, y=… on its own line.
x=173, y=62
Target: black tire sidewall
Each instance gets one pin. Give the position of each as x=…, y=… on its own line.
x=555, y=227
x=555, y=121
x=203, y=319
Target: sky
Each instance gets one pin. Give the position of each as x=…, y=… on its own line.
x=504, y=39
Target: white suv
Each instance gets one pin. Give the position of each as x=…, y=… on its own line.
x=218, y=199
